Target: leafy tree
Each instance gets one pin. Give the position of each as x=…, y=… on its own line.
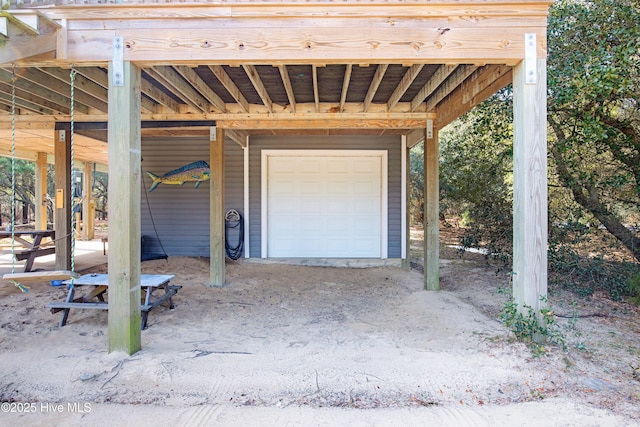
x=594, y=110
x=24, y=187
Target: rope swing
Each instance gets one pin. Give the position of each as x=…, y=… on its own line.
x=18, y=278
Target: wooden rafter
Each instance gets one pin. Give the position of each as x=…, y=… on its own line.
x=252, y=73
x=202, y=88
x=400, y=90
x=314, y=75
x=454, y=80
x=230, y=86
x=345, y=85
x=158, y=96
x=436, y=80
x=373, y=87
x=33, y=92
x=168, y=77
x=86, y=91
x=286, y=81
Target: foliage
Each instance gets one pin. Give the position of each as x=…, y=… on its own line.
x=534, y=329
x=594, y=164
x=24, y=186
x=476, y=169
x=594, y=110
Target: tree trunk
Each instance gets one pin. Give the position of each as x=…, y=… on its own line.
x=588, y=198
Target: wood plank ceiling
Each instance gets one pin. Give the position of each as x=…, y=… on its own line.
x=245, y=97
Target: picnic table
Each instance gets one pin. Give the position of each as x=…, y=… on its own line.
x=151, y=285
x=30, y=249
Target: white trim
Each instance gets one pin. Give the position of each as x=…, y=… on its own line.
x=384, y=184
x=247, y=248
x=403, y=198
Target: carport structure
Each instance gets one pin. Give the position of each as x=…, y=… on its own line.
x=239, y=69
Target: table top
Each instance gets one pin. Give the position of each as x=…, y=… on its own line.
x=47, y=233
x=146, y=280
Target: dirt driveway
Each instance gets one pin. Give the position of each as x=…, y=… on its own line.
x=293, y=345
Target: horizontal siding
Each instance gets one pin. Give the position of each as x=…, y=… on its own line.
x=390, y=143
x=181, y=213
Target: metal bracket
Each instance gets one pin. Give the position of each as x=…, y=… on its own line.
x=118, y=61
x=429, y=129
x=530, y=59
x=213, y=136
x=62, y=135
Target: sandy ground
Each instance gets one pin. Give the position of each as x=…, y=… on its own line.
x=308, y=346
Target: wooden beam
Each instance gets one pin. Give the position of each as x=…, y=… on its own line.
x=345, y=86
x=124, y=211
x=308, y=40
x=436, y=80
x=483, y=83
x=314, y=77
x=24, y=40
x=373, y=87
x=415, y=137
x=37, y=93
x=431, y=213
x=203, y=88
x=286, y=81
x=173, y=81
x=87, y=91
x=62, y=198
x=158, y=96
x=325, y=124
x=230, y=86
x=252, y=73
x=40, y=196
x=454, y=80
x=406, y=81
x=530, y=187
x=238, y=136
x=216, y=209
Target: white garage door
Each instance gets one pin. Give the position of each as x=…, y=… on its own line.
x=326, y=204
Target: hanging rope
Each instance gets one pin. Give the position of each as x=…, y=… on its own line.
x=71, y=192
x=13, y=177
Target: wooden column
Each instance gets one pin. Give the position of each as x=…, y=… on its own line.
x=216, y=207
x=124, y=211
x=431, y=213
x=530, y=187
x=406, y=260
x=87, y=203
x=62, y=211
x=40, y=196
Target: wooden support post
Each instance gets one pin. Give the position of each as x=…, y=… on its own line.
x=87, y=202
x=530, y=188
x=124, y=210
x=431, y=212
x=40, y=196
x=406, y=169
x=216, y=208
x=62, y=215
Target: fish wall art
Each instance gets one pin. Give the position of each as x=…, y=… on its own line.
x=193, y=172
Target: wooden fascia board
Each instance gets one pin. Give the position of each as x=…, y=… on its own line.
x=306, y=33
x=275, y=10
x=425, y=46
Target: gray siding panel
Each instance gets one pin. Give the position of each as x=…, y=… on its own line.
x=390, y=143
x=181, y=213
